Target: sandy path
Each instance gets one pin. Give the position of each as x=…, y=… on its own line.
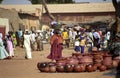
x=19, y=67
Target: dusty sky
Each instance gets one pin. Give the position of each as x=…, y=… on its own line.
x=28, y=2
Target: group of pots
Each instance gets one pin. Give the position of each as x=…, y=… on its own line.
x=89, y=62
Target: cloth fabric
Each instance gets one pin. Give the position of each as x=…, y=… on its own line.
x=3, y=52
x=39, y=43
x=20, y=33
x=82, y=40
x=108, y=35
x=65, y=35
x=27, y=46
x=1, y=37
x=9, y=48
x=70, y=34
x=96, y=35
x=82, y=49
x=14, y=39
x=74, y=35
x=77, y=48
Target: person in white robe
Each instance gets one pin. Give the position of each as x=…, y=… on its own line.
x=27, y=45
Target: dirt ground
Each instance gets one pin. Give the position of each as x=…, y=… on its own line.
x=19, y=67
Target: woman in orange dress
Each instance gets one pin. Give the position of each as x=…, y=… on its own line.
x=56, y=42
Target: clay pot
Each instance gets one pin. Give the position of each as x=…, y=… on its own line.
x=94, y=49
x=38, y=65
x=97, y=55
x=52, y=69
x=97, y=60
x=107, y=61
x=60, y=68
x=98, y=64
x=60, y=63
x=68, y=68
x=102, y=68
x=51, y=63
x=115, y=63
x=79, y=57
x=107, y=54
x=80, y=68
x=43, y=67
x=61, y=60
x=77, y=68
x=46, y=69
x=43, y=64
x=72, y=61
x=117, y=58
x=94, y=67
x=75, y=54
x=89, y=68
x=86, y=60
x=110, y=66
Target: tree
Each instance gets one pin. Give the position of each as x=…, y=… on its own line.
x=47, y=11
x=115, y=30
x=45, y=2
x=1, y=1
x=117, y=13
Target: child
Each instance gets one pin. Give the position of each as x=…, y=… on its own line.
x=9, y=47
x=77, y=44
x=82, y=42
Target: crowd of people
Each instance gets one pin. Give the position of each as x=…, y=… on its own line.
x=78, y=37
x=24, y=39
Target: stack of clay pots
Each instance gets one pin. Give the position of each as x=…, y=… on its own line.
x=90, y=62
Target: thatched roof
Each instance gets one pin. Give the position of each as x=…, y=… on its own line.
x=13, y=17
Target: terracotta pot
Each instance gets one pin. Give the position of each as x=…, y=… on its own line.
x=43, y=64
x=98, y=64
x=117, y=58
x=97, y=55
x=107, y=61
x=79, y=57
x=46, y=69
x=115, y=63
x=43, y=67
x=72, y=61
x=76, y=54
x=80, y=68
x=60, y=68
x=86, y=60
x=94, y=67
x=94, y=49
x=89, y=68
x=107, y=54
x=68, y=68
x=51, y=63
x=110, y=66
x=52, y=69
x=77, y=68
x=62, y=60
x=102, y=68
x=97, y=60
x=61, y=63
x=38, y=65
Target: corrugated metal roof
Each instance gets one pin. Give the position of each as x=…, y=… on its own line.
x=66, y=8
